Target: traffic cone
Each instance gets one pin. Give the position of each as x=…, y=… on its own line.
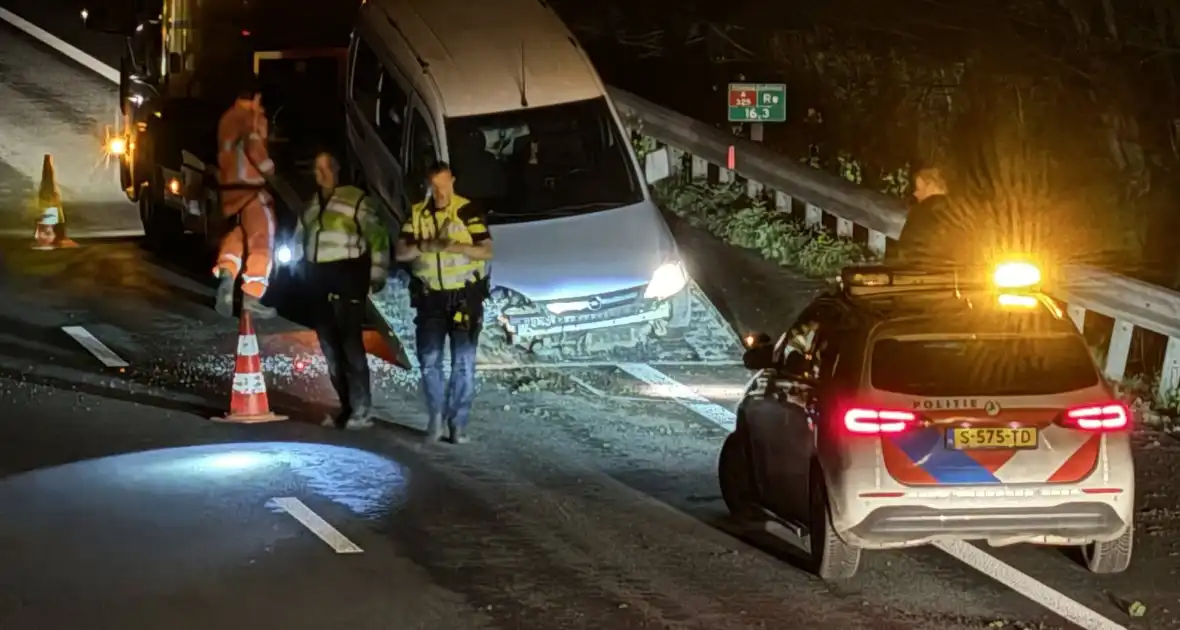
x=50, y=231
x=248, y=404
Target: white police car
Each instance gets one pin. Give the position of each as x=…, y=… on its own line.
x=909, y=407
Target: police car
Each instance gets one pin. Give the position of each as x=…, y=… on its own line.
x=909, y=406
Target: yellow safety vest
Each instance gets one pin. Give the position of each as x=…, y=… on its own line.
x=445, y=271
x=347, y=227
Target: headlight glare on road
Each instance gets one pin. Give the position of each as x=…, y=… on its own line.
x=668, y=280
x=116, y=146
x=235, y=460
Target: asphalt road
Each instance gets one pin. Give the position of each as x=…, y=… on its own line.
x=587, y=500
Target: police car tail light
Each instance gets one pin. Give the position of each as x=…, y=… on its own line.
x=1106, y=417
x=878, y=421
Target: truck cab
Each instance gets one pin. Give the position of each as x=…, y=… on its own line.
x=179, y=73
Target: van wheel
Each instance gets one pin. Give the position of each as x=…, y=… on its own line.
x=1112, y=556
x=832, y=559
x=736, y=477
x=681, y=320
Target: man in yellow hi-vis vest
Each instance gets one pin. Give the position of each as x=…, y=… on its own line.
x=345, y=247
x=447, y=241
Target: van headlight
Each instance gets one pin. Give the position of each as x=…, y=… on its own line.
x=668, y=280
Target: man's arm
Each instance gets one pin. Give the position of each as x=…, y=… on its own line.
x=256, y=149
x=373, y=230
x=406, y=249
x=480, y=248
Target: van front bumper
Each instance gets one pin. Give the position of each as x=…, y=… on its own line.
x=544, y=324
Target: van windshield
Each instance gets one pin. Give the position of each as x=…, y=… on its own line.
x=543, y=163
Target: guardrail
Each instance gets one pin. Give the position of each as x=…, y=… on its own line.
x=1129, y=302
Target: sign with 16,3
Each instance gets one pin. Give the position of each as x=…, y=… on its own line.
x=757, y=102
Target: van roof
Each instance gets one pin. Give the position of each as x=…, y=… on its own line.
x=474, y=51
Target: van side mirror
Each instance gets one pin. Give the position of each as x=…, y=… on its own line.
x=115, y=18
x=759, y=353
x=657, y=166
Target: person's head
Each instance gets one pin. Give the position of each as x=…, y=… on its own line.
x=248, y=90
x=327, y=171
x=441, y=181
x=929, y=182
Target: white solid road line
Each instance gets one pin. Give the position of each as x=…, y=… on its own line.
x=972, y=556
x=81, y=233
x=317, y=525
x=96, y=347
x=89, y=62
x=1005, y=574
x=675, y=390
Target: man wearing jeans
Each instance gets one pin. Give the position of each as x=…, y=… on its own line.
x=446, y=240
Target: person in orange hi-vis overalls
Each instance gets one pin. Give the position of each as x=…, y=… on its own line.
x=243, y=164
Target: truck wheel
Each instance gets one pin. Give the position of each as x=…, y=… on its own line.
x=162, y=226
x=736, y=478
x=832, y=559
x=1112, y=556
x=214, y=225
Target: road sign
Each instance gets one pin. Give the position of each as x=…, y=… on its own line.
x=757, y=102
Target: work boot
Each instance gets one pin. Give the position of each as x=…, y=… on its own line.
x=359, y=420
x=225, y=294
x=334, y=422
x=434, y=430
x=257, y=308
x=357, y=423
x=458, y=435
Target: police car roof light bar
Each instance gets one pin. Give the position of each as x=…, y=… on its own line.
x=881, y=280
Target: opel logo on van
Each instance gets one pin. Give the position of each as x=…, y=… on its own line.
x=992, y=408
x=594, y=304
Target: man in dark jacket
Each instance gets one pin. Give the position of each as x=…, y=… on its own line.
x=933, y=232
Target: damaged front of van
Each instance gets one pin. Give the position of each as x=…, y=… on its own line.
x=583, y=254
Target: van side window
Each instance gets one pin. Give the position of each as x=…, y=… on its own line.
x=391, y=114
x=422, y=154
x=365, y=74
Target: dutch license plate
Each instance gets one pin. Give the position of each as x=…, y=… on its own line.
x=980, y=438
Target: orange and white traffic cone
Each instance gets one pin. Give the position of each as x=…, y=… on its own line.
x=50, y=231
x=248, y=404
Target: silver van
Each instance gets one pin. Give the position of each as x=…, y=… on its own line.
x=503, y=93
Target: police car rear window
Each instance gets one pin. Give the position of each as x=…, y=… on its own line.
x=982, y=367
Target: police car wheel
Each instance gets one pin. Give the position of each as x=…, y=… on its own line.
x=1112, y=556
x=832, y=559
x=736, y=480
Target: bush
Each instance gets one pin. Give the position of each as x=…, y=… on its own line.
x=725, y=211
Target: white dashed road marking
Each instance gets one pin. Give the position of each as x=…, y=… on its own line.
x=673, y=389
x=87, y=61
x=1005, y=574
x=96, y=347
x=318, y=526
x=968, y=554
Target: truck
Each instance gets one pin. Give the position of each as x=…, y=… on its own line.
x=183, y=63
x=181, y=70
